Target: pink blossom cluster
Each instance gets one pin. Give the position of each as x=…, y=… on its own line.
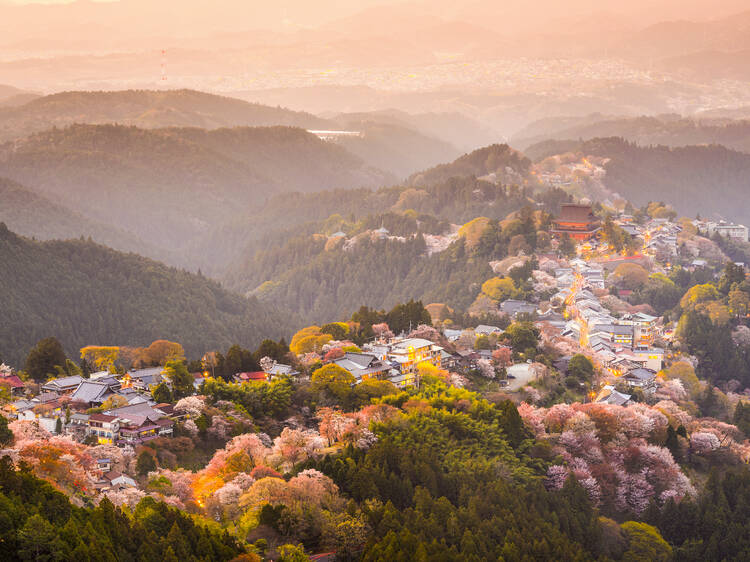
x=611, y=451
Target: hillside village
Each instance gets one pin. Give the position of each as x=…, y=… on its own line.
x=590, y=321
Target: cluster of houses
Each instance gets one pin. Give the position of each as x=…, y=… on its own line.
x=731, y=230
x=69, y=405
x=395, y=360
x=623, y=345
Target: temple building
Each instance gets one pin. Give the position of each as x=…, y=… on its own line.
x=578, y=221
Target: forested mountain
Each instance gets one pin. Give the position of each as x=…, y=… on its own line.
x=667, y=130
x=169, y=186
x=326, y=268
x=30, y=214
x=400, y=146
x=454, y=128
x=321, y=283
x=146, y=109
x=83, y=294
x=499, y=159
x=457, y=200
x=396, y=148
x=707, y=180
x=13, y=97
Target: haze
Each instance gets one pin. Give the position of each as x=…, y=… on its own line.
x=505, y=63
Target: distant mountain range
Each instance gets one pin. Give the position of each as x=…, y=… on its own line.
x=85, y=294
x=147, y=109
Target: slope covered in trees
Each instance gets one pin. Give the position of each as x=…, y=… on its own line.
x=40, y=523
x=316, y=271
x=507, y=164
x=704, y=180
x=148, y=109
x=169, y=186
x=30, y=214
x=86, y=294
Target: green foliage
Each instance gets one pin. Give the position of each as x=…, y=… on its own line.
x=334, y=381
x=581, y=368
x=91, y=294
x=181, y=380
x=645, y=543
x=292, y=553
x=258, y=398
x=660, y=292
x=6, y=435
x=715, y=525
x=162, y=394
x=39, y=523
x=447, y=480
x=145, y=463
x=499, y=289
x=719, y=358
x=44, y=358
x=487, y=160
x=323, y=281
x=523, y=337
x=741, y=417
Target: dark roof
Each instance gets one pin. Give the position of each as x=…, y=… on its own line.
x=576, y=213
x=641, y=374
x=102, y=417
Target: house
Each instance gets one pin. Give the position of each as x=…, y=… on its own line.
x=452, y=335
x=616, y=333
x=115, y=481
x=608, y=395
x=577, y=221
x=63, y=385
x=10, y=380
x=484, y=330
x=92, y=393
x=447, y=361
x=20, y=406
x=728, y=230
x=513, y=308
x=143, y=379
x=104, y=427
x=364, y=366
x=198, y=379
x=466, y=359
x=281, y=370
x=78, y=426
x=141, y=422
x=408, y=353
x=642, y=378
x=644, y=325
x=252, y=376
x=104, y=465
x=652, y=357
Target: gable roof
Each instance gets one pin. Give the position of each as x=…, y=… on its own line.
x=641, y=374
x=102, y=418
x=63, y=383
x=575, y=213
x=90, y=391
x=12, y=381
